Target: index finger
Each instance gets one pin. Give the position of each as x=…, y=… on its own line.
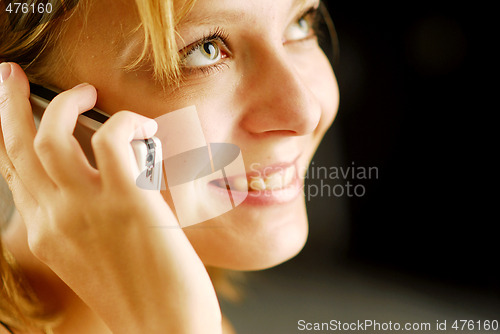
x=18, y=129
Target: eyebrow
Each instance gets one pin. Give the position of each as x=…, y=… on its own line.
x=229, y=16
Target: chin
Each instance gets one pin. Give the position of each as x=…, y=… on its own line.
x=275, y=250
x=251, y=239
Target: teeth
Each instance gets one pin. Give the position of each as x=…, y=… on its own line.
x=275, y=181
x=256, y=183
x=289, y=175
x=239, y=184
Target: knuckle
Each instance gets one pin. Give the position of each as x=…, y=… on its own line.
x=61, y=97
x=96, y=139
x=49, y=239
x=9, y=175
x=101, y=140
x=39, y=245
x=44, y=145
x=123, y=118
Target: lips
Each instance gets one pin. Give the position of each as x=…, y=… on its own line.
x=270, y=178
x=273, y=184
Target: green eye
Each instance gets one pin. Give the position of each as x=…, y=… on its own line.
x=210, y=50
x=298, y=30
x=303, y=25
x=302, y=28
x=204, y=54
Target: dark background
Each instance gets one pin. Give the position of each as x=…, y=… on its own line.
x=414, y=104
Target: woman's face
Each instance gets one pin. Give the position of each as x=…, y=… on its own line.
x=258, y=80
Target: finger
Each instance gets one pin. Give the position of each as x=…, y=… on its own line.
x=23, y=199
x=19, y=131
x=112, y=149
x=58, y=150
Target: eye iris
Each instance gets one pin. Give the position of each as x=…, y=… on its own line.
x=210, y=50
x=303, y=25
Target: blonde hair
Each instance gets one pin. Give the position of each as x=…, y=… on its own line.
x=28, y=39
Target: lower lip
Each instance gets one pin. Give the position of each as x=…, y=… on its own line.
x=263, y=197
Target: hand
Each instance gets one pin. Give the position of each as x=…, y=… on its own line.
x=93, y=227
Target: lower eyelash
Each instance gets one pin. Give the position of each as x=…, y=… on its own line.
x=206, y=70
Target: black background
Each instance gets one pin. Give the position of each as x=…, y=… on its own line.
x=414, y=85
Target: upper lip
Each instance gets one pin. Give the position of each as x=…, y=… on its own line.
x=268, y=170
x=264, y=171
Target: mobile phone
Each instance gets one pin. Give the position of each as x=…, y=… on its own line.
x=146, y=161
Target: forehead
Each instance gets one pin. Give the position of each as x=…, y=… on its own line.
x=115, y=22
x=207, y=12
x=122, y=13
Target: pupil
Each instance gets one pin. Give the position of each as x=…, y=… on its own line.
x=210, y=50
x=303, y=24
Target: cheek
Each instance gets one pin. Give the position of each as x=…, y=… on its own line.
x=217, y=111
x=216, y=119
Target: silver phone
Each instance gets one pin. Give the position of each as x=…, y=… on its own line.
x=147, y=152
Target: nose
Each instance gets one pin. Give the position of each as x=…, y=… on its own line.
x=277, y=96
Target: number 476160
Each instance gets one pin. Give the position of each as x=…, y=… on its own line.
x=471, y=325
x=25, y=8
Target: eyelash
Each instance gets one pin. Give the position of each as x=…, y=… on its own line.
x=221, y=36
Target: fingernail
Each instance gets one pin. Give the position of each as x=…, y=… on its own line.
x=5, y=70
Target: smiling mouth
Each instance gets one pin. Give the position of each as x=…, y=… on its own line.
x=274, y=179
